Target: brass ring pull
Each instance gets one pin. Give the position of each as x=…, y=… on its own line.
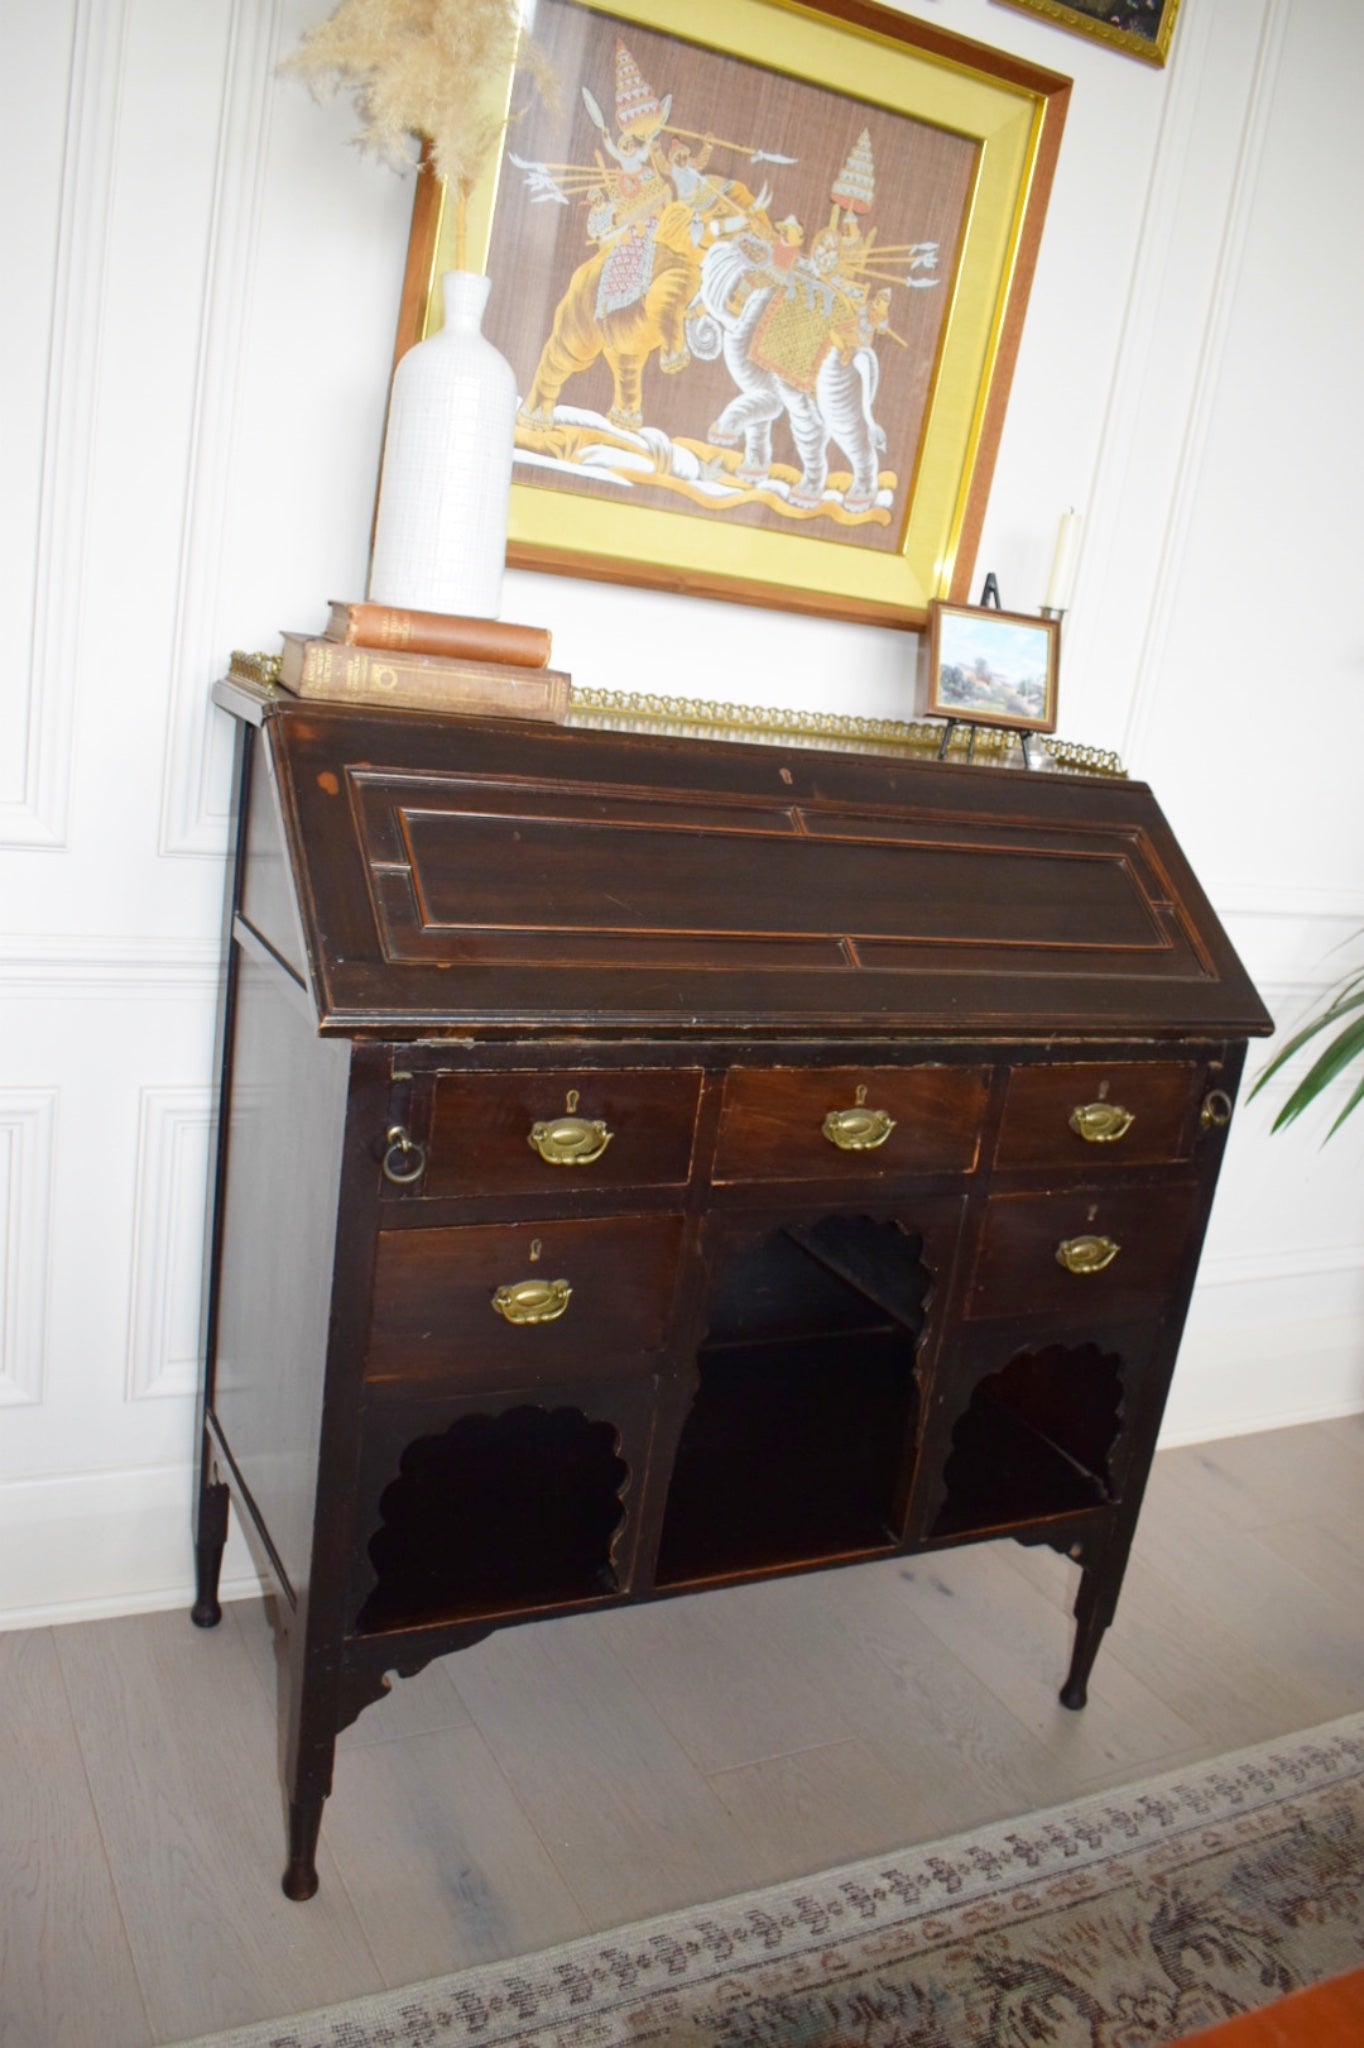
x=1101, y=1123
x=405, y=1159
x=1215, y=1114
x=570, y=1140
x=533, y=1301
x=1086, y=1254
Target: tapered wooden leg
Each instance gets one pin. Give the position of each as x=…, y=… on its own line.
x=210, y=1537
x=310, y=1706
x=1095, y=1605
x=1088, y=1636
x=305, y=1821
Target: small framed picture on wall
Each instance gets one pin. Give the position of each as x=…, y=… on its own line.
x=1143, y=28
x=989, y=667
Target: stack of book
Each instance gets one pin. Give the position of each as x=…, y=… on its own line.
x=426, y=661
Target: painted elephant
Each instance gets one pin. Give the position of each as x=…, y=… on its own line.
x=586, y=330
x=829, y=399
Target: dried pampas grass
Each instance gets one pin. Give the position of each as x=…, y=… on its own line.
x=423, y=68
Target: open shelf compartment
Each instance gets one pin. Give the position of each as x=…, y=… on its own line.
x=1035, y=1442
x=796, y=1444
x=497, y=1514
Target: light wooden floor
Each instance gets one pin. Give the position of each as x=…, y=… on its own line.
x=579, y=1774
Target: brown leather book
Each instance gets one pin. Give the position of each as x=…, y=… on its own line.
x=312, y=667
x=407, y=632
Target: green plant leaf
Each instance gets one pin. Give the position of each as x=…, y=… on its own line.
x=1351, y=998
x=1353, y=1103
x=1337, y=1056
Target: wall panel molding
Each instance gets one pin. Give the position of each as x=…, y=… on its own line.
x=1150, y=449
x=28, y=1129
x=1151, y=663
x=1294, y=952
x=174, y=1127
x=51, y=966
x=38, y=816
x=1256, y=1269
x=1269, y=900
x=196, y=775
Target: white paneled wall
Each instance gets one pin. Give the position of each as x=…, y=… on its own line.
x=203, y=284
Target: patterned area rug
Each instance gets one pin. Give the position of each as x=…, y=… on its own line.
x=1123, y=1921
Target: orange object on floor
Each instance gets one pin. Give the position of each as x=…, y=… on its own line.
x=1329, y=2015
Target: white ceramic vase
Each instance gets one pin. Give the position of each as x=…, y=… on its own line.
x=440, y=541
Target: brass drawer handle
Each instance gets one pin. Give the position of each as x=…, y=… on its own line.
x=1086, y=1254
x=570, y=1140
x=1101, y=1123
x=1216, y=1111
x=859, y=1129
x=404, y=1159
x=533, y=1301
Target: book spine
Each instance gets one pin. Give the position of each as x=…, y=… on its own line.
x=408, y=632
x=359, y=675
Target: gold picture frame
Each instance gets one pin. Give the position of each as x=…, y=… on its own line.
x=844, y=207
x=1109, y=21
x=982, y=666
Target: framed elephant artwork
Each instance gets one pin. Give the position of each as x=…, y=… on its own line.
x=760, y=267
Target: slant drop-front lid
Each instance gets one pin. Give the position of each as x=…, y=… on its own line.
x=460, y=873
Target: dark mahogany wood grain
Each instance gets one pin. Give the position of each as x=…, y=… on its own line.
x=279, y=1219
x=465, y=871
x=480, y=1131
x=1018, y=1273
x=777, y=1355
x=772, y=1122
x=1162, y=1098
x=268, y=902
x=433, y=1293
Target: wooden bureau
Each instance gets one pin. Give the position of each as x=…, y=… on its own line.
x=648, y=1164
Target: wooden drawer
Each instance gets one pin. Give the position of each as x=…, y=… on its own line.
x=434, y=1317
x=1018, y=1272
x=481, y=1132
x=773, y=1122
x=1139, y=1114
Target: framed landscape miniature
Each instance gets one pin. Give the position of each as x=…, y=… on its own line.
x=988, y=667
x=760, y=270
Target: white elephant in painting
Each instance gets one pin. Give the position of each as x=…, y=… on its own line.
x=733, y=296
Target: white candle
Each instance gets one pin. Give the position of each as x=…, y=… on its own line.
x=1063, y=563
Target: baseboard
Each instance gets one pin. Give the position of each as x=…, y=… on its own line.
x=1234, y=1378
x=117, y=1605
x=85, y=1546
x=1292, y=1418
